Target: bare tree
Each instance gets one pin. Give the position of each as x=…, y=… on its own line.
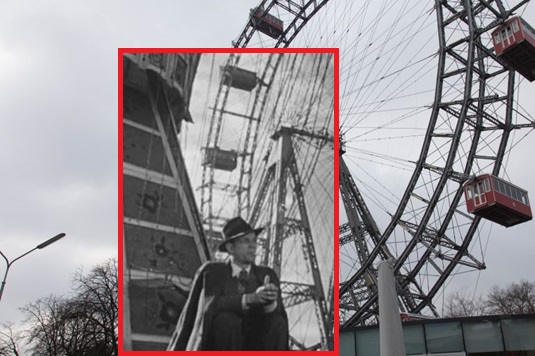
x=44, y=315
x=97, y=297
x=82, y=325
x=9, y=341
x=515, y=298
x=459, y=304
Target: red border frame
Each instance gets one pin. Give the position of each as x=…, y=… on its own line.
x=336, y=53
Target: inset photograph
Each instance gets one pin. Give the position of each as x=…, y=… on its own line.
x=228, y=186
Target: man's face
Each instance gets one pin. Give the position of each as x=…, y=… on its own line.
x=243, y=249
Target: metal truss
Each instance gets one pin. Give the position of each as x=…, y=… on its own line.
x=280, y=176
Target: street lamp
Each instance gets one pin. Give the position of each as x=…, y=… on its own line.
x=40, y=246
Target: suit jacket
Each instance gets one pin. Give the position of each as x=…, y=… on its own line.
x=214, y=290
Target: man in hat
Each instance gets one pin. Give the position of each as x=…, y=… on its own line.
x=234, y=305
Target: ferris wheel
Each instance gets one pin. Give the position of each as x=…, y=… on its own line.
x=425, y=105
x=268, y=157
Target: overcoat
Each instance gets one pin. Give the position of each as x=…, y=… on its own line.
x=214, y=290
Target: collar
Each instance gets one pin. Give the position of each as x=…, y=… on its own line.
x=237, y=269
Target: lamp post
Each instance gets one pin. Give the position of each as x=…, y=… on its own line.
x=40, y=246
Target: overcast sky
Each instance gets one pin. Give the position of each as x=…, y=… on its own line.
x=58, y=126
x=58, y=133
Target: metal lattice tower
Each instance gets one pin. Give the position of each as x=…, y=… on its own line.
x=282, y=184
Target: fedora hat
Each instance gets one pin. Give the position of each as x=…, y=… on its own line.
x=234, y=228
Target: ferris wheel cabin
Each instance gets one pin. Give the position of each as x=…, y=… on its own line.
x=238, y=78
x=267, y=23
x=514, y=42
x=496, y=200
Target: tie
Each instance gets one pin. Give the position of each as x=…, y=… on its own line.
x=242, y=277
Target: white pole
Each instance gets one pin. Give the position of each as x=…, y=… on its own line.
x=390, y=331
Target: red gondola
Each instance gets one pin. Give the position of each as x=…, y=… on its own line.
x=269, y=24
x=514, y=42
x=494, y=199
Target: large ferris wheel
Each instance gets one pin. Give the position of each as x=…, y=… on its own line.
x=425, y=104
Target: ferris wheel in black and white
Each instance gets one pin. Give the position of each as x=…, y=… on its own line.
x=268, y=157
x=428, y=106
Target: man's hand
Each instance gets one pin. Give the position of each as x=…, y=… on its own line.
x=265, y=294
